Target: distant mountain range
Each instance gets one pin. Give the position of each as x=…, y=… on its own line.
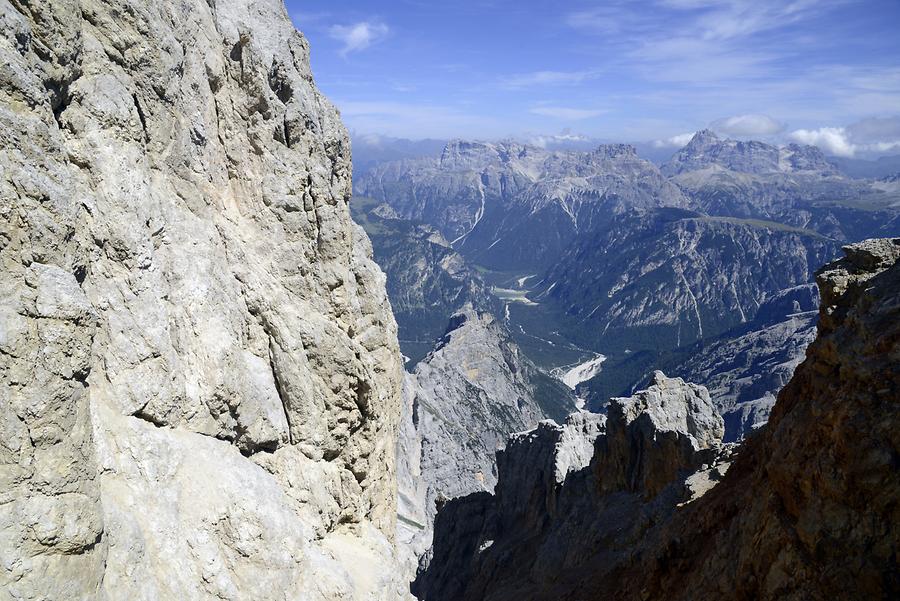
x=372, y=150
x=509, y=206
x=600, y=252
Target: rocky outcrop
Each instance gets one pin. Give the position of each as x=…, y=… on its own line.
x=201, y=374
x=809, y=509
x=571, y=498
x=462, y=402
x=806, y=510
x=793, y=185
x=706, y=150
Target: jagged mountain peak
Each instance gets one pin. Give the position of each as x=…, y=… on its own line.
x=506, y=203
x=466, y=151
x=662, y=510
x=614, y=151
x=703, y=137
x=707, y=150
x=461, y=153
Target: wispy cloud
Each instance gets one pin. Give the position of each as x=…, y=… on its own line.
x=748, y=125
x=876, y=135
x=746, y=68
x=567, y=113
x=410, y=119
x=740, y=18
x=358, y=36
x=548, y=78
x=697, y=41
x=305, y=19
x=674, y=142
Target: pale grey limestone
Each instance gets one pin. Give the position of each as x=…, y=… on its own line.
x=201, y=378
x=461, y=403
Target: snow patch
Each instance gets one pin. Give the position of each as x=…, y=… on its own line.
x=583, y=372
x=521, y=281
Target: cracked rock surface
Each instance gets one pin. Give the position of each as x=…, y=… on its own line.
x=201, y=374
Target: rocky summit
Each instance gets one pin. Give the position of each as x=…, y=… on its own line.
x=600, y=253
x=805, y=509
x=571, y=498
x=201, y=377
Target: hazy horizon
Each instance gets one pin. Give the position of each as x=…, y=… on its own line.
x=823, y=73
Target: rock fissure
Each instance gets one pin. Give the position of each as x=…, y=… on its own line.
x=273, y=344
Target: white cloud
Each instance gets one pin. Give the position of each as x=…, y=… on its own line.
x=833, y=140
x=548, y=78
x=562, y=139
x=674, y=142
x=700, y=41
x=873, y=135
x=304, y=19
x=738, y=18
x=358, y=36
x=747, y=125
x=566, y=113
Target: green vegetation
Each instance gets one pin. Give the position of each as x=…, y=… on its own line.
x=361, y=208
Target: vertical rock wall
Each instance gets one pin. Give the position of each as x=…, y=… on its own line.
x=201, y=375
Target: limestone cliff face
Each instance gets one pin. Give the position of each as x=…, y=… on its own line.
x=201, y=374
x=807, y=509
x=461, y=403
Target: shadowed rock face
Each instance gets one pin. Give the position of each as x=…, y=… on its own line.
x=561, y=489
x=746, y=368
x=201, y=374
x=807, y=510
x=666, y=279
x=462, y=401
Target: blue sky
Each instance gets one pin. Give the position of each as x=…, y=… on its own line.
x=815, y=71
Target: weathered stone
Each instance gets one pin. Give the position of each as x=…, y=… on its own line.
x=201, y=374
x=462, y=402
